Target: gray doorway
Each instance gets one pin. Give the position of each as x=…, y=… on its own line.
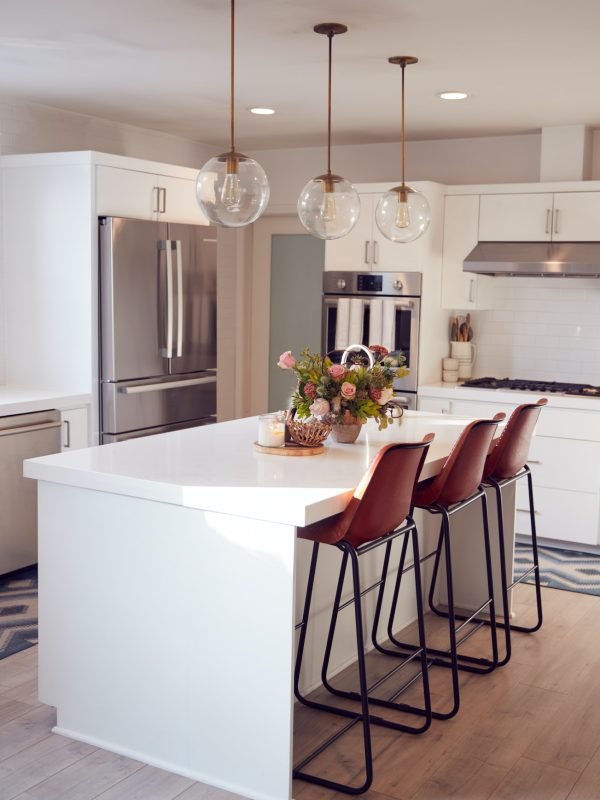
x=297, y=262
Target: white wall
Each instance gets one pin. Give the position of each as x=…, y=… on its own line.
x=541, y=329
x=32, y=128
x=494, y=159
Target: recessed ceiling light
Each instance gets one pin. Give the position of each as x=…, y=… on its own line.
x=453, y=95
x=263, y=111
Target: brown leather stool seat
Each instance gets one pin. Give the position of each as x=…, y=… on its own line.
x=456, y=486
x=377, y=514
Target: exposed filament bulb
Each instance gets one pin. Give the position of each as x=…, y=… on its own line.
x=231, y=193
x=328, y=211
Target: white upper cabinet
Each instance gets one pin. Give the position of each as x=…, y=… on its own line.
x=576, y=217
x=540, y=217
x=515, y=217
x=462, y=290
x=366, y=248
x=143, y=195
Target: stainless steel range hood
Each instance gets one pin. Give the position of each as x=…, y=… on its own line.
x=535, y=259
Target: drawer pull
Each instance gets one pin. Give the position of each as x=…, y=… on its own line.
x=533, y=461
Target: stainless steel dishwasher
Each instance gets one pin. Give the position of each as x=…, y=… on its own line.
x=22, y=436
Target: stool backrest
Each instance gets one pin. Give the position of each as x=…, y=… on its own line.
x=382, y=500
x=511, y=451
x=462, y=473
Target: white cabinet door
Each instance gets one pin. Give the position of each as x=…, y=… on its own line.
x=126, y=193
x=178, y=201
x=576, y=217
x=515, y=217
x=462, y=290
x=354, y=251
x=75, y=428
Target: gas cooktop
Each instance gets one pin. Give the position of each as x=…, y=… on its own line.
x=542, y=387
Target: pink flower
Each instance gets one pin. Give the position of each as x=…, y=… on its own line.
x=375, y=394
x=310, y=390
x=336, y=371
x=319, y=408
x=286, y=360
x=348, y=390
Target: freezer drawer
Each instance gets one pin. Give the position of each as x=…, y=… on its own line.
x=136, y=405
x=109, y=438
x=23, y=436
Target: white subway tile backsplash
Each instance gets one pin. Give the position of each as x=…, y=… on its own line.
x=541, y=330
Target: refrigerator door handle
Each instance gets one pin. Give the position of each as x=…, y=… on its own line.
x=179, y=298
x=169, y=253
x=163, y=386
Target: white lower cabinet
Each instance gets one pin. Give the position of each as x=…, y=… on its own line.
x=565, y=468
x=74, y=428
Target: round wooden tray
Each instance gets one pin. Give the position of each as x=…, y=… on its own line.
x=290, y=449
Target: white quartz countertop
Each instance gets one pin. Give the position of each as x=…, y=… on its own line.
x=457, y=391
x=215, y=468
x=16, y=399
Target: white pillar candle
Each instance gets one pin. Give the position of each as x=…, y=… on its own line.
x=271, y=430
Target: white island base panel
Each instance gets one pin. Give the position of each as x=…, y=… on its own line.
x=175, y=601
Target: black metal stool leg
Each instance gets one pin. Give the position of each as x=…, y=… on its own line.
x=490, y=581
x=363, y=716
x=536, y=563
x=304, y=622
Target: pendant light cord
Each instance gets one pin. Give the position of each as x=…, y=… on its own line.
x=232, y=75
x=330, y=37
x=403, y=68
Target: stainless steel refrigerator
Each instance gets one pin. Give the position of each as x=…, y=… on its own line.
x=158, y=327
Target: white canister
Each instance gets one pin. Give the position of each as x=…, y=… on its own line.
x=450, y=375
x=464, y=370
x=463, y=351
x=450, y=364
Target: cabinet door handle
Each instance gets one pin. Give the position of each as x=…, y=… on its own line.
x=471, y=290
x=556, y=220
x=67, y=424
x=156, y=203
x=548, y=212
x=375, y=252
x=526, y=510
x=367, y=261
x=533, y=461
x=162, y=193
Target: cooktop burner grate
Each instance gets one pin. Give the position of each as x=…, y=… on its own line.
x=542, y=387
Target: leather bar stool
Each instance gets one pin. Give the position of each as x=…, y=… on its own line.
x=377, y=514
x=507, y=463
x=456, y=486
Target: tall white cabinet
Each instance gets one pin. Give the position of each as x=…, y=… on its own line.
x=49, y=261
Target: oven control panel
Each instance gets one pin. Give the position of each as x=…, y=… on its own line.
x=369, y=283
x=385, y=284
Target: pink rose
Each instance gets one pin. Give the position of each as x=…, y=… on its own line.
x=375, y=394
x=336, y=371
x=286, y=360
x=319, y=408
x=310, y=390
x=348, y=390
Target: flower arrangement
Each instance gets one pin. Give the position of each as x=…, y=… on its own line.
x=344, y=393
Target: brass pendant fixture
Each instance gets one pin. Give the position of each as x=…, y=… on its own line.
x=329, y=205
x=402, y=214
x=232, y=189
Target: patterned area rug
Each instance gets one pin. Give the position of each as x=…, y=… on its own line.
x=18, y=611
x=569, y=570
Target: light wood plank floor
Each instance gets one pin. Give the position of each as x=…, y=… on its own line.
x=530, y=731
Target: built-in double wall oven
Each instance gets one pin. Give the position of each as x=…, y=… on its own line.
x=375, y=308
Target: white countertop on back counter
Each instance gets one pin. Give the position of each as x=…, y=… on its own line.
x=215, y=468
x=456, y=391
x=17, y=399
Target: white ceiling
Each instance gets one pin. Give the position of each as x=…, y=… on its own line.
x=163, y=64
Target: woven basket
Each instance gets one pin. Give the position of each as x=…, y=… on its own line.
x=308, y=434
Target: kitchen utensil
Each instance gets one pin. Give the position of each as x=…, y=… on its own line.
x=453, y=329
x=469, y=328
x=463, y=331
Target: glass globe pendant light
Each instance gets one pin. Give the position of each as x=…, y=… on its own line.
x=232, y=189
x=329, y=205
x=402, y=214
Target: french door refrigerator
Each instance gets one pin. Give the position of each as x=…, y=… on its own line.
x=158, y=327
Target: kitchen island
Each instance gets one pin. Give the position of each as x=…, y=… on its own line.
x=167, y=591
